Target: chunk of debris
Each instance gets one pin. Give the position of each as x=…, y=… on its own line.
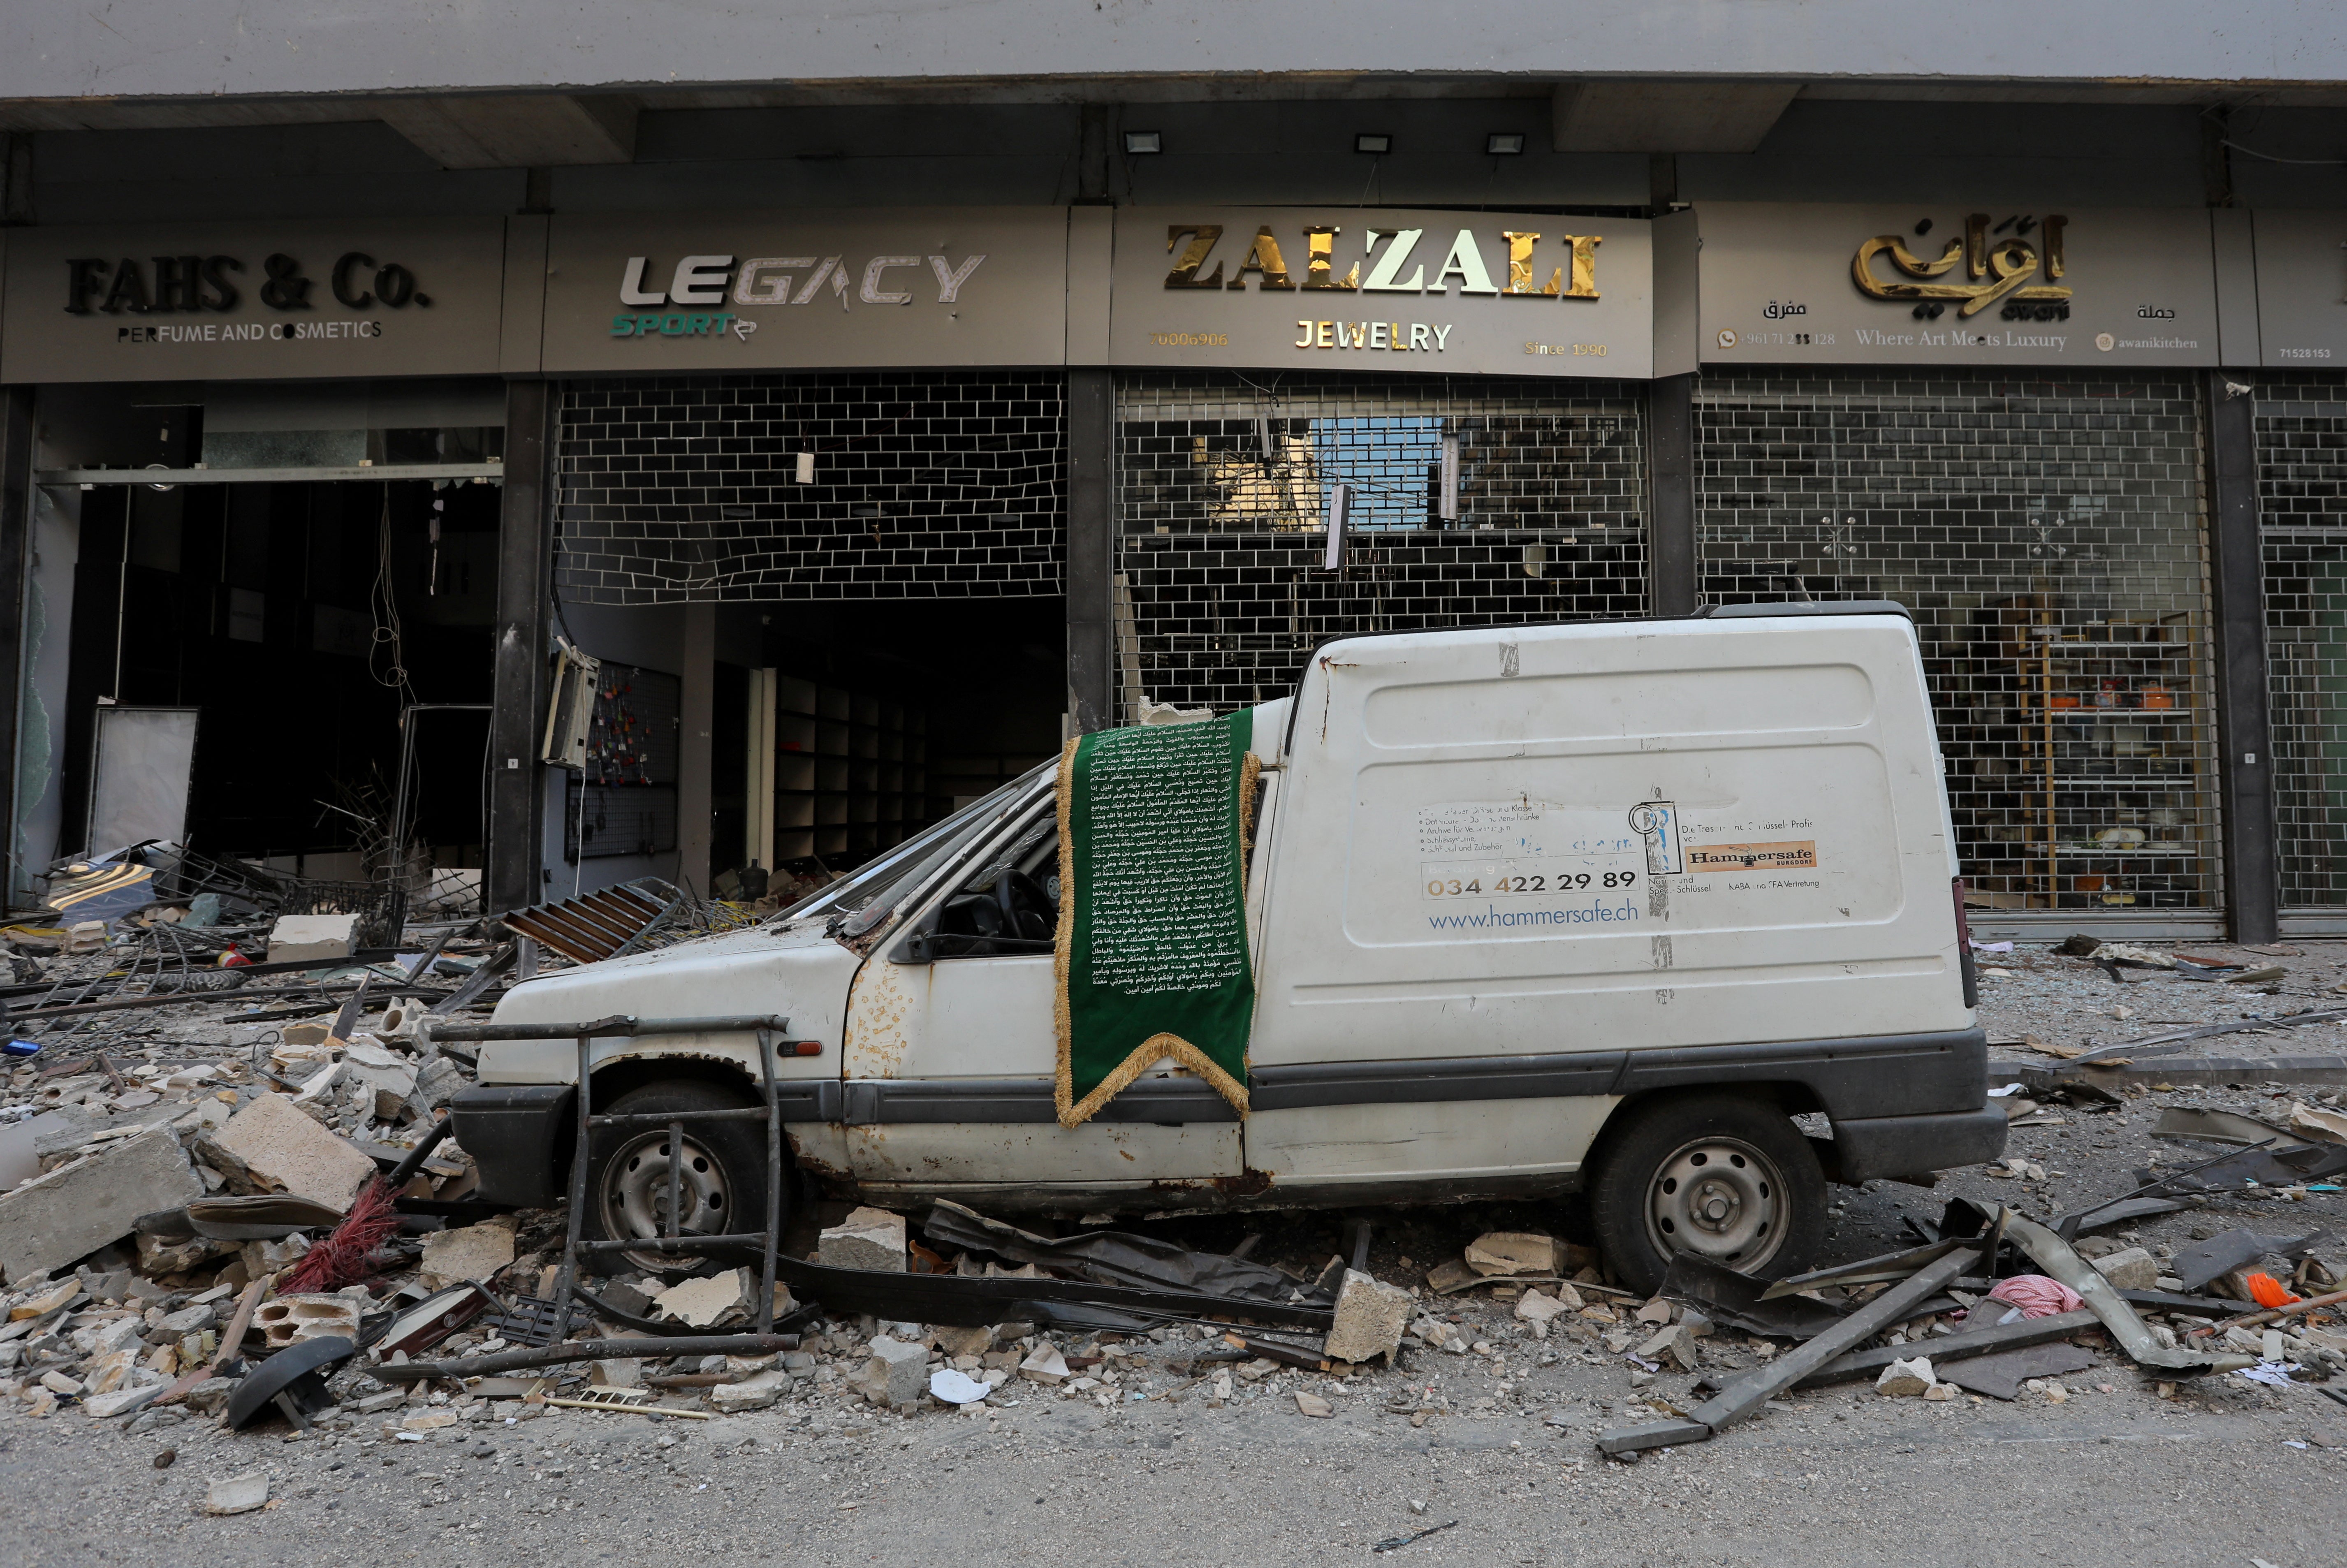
x=312, y=939
x=755, y=1392
x=867, y=1238
x=1501, y=1253
x=2132, y=1269
x=1369, y=1321
x=1046, y=1366
x=699, y=1303
x=1310, y=1404
x=963, y=1341
x=470, y=1253
x=281, y=1149
x=1539, y=1309
x=289, y=1318
x=898, y=1373
x=1676, y=1343
x=81, y=1206
x=1907, y=1379
x=237, y=1493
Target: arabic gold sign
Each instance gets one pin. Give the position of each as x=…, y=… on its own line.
x=1996, y=266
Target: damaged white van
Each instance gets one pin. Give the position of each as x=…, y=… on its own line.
x=1526, y=911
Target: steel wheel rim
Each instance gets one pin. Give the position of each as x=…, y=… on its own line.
x=1720, y=1199
x=635, y=1195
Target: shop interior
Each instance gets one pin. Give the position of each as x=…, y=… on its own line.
x=863, y=723
x=321, y=642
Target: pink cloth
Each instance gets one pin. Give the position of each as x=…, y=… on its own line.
x=2037, y=1296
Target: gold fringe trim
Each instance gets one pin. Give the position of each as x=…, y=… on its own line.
x=1073, y=1114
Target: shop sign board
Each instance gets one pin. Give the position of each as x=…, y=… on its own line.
x=206, y=302
x=1452, y=292
x=1938, y=285
x=748, y=291
x=2301, y=288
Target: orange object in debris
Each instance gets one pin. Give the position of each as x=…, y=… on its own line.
x=2267, y=1291
x=232, y=960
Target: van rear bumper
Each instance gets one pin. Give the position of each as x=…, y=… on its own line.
x=1912, y=1145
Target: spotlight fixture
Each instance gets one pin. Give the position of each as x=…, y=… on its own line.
x=1143, y=142
x=1374, y=143
x=1505, y=143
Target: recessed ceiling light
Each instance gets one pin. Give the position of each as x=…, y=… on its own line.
x=1141, y=141
x=1373, y=142
x=1505, y=143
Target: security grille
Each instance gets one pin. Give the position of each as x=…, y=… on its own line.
x=2046, y=534
x=1506, y=502
x=2302, y=436
x=929, y=485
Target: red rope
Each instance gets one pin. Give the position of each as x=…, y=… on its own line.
x=347, y=1255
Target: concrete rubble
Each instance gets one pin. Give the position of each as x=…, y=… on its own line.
x=869, y=1239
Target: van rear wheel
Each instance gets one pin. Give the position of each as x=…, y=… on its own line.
x=1729, y=1180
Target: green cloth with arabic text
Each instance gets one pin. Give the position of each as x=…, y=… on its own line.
x=1152, y=950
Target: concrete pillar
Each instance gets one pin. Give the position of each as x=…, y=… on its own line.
x=1672, y=569
x=525, y=588
x=15, y=527
x=1091, y=549
x=696, y=722
x=2245, y=764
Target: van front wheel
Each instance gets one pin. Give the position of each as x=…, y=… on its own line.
x=1729, y=1180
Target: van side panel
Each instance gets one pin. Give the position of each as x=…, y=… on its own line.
x=1593, y=838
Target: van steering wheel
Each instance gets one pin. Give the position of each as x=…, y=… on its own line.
x=1014, y=887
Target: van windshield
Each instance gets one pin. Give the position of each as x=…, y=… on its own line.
x=878, y=885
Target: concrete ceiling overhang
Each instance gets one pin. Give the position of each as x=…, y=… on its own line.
x=522, y=130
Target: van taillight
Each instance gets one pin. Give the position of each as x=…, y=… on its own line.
x=1964, y=948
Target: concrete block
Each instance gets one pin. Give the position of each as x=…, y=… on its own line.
x=436, y=1083
x=1499, y=1253
x=2132, y=1269
x=207, y=1397
x=699, y=1303
x=282, y=1150
x=898, y=1373
x=1370, y=1317
x=755, y=1392
x=473, y=1251
x=79, y=1207
x=238, y=1494
x=1907, y=1379
x=869, y=1239
x=305, y=938
x=963, y=1341
x=288, y=1319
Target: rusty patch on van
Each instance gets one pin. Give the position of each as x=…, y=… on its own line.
x=874, y=1036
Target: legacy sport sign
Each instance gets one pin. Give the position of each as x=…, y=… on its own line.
x=1489, y=293
x=221, y=302
x=742, y=292
x=1934, y=285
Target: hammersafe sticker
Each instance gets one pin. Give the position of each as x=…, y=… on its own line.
x=1794, y=856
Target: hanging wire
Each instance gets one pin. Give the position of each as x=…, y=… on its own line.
x=385, y=604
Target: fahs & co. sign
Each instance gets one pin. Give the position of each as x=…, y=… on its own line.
x=953, y=286
x=1449, y=291
x=221, y=302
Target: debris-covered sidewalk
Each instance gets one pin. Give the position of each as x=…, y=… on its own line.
x=224, y=1232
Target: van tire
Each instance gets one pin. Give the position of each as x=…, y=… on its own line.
x=1762, y=1212
x=722, y=1184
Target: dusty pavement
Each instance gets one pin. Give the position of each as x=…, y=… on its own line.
x=1495, y=1435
